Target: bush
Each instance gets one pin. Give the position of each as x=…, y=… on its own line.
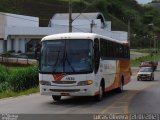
x=3, y=73
x=18, y=79
x=24, y=78
x=4, y=86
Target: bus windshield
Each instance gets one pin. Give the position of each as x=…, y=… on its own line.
x=66, y=56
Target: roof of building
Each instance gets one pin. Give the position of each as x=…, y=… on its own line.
x=89, y=16
x=23, y=17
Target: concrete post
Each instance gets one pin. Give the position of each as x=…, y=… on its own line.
x=4, y=46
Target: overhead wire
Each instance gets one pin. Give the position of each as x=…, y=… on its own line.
x=84, y=11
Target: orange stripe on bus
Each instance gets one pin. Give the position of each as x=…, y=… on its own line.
x=97, y=93
x=58, y=77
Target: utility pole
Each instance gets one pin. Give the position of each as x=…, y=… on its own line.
x=92, y=24
x=154, y=38
x=70, y=15
x=129, y=31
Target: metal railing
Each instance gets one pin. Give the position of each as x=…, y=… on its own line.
x=18, y=58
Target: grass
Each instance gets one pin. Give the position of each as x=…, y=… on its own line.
x=136, y=62
x=7, y=94
x=143, y=50
x=18, y=80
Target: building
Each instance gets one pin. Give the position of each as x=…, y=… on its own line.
x=19, y=33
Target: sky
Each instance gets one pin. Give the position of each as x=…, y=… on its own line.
x=143, y=1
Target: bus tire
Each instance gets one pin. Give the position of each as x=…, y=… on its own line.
x=99, y=97
x=56, y=98
x=120, y=89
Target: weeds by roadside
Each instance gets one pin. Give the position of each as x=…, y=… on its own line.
x=136, y=62
x=17, y=80
x=7, y=94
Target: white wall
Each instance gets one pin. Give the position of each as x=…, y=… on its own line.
x=76, y=23
x=108, y=25
x=38, y=31
x=8, y=44
x=20, y=20
x=22, y=45
x=16, y=44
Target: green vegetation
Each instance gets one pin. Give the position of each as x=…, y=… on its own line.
x=136, y=62
x=7, y=94
x=142, y=50
x=117, y=11
x=156, y=5
x=18, y=79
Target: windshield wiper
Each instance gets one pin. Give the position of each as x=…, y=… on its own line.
x=55, y=64
x=69, y=63
x=65, y=58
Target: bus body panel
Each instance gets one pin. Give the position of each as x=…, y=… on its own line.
x=112, y=71
x=125, y=70
x=67, y=85
x=109, y=72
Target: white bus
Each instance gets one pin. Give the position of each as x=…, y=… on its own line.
x=82, y=64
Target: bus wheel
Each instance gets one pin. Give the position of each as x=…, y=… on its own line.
x=56, y=98
x=100, y=95
x=120, y=88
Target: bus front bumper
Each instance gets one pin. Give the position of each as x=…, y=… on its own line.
x=67, y=91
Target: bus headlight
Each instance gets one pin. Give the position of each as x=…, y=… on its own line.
x=83, y=83
x=43, y=82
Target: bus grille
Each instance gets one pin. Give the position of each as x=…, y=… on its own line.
x=64, y=82
x=65, y=90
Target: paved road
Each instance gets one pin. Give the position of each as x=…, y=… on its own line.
x=138, y=97
x=148, y=99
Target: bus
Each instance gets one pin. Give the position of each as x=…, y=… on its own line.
x=82, y=64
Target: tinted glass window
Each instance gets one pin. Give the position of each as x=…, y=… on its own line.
x=96, y=55
x=113, y=50
x=69, y=56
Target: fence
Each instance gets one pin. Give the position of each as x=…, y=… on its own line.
x=17, y=58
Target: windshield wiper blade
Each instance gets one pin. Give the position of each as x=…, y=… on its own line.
x=65, y=58
x=69, y=63
x=55, y=65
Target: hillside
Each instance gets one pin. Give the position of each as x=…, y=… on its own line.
x=42, y=9
x=117, y=11
x=156, y=5
x=46, y=9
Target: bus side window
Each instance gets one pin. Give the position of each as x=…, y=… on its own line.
x=96, y=55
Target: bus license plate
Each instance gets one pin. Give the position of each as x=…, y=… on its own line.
x=65, y=94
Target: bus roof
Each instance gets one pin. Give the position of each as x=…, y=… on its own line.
x=79, y=35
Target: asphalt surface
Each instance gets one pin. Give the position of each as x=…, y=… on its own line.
x=148, y=99
x=137, y=97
